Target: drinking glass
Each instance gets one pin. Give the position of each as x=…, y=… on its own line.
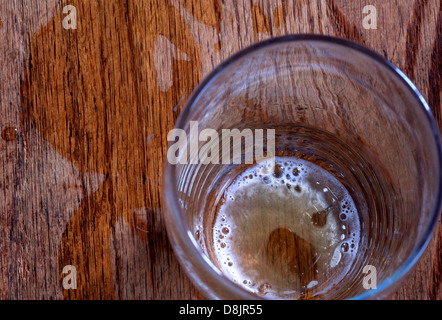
x=348, y=196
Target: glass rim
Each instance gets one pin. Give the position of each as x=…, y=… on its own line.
x=170, y=179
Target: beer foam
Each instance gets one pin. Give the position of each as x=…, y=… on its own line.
x=288, y=194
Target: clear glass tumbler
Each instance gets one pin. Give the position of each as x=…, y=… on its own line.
x=335, y=191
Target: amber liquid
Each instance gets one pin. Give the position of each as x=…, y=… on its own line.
x=301, y=227
x=285, y=232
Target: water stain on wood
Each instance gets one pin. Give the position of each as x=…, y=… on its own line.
x=96, y=101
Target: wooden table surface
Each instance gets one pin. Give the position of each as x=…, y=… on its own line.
x=84, y=115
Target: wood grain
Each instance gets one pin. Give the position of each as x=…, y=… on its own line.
x=84, y=115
